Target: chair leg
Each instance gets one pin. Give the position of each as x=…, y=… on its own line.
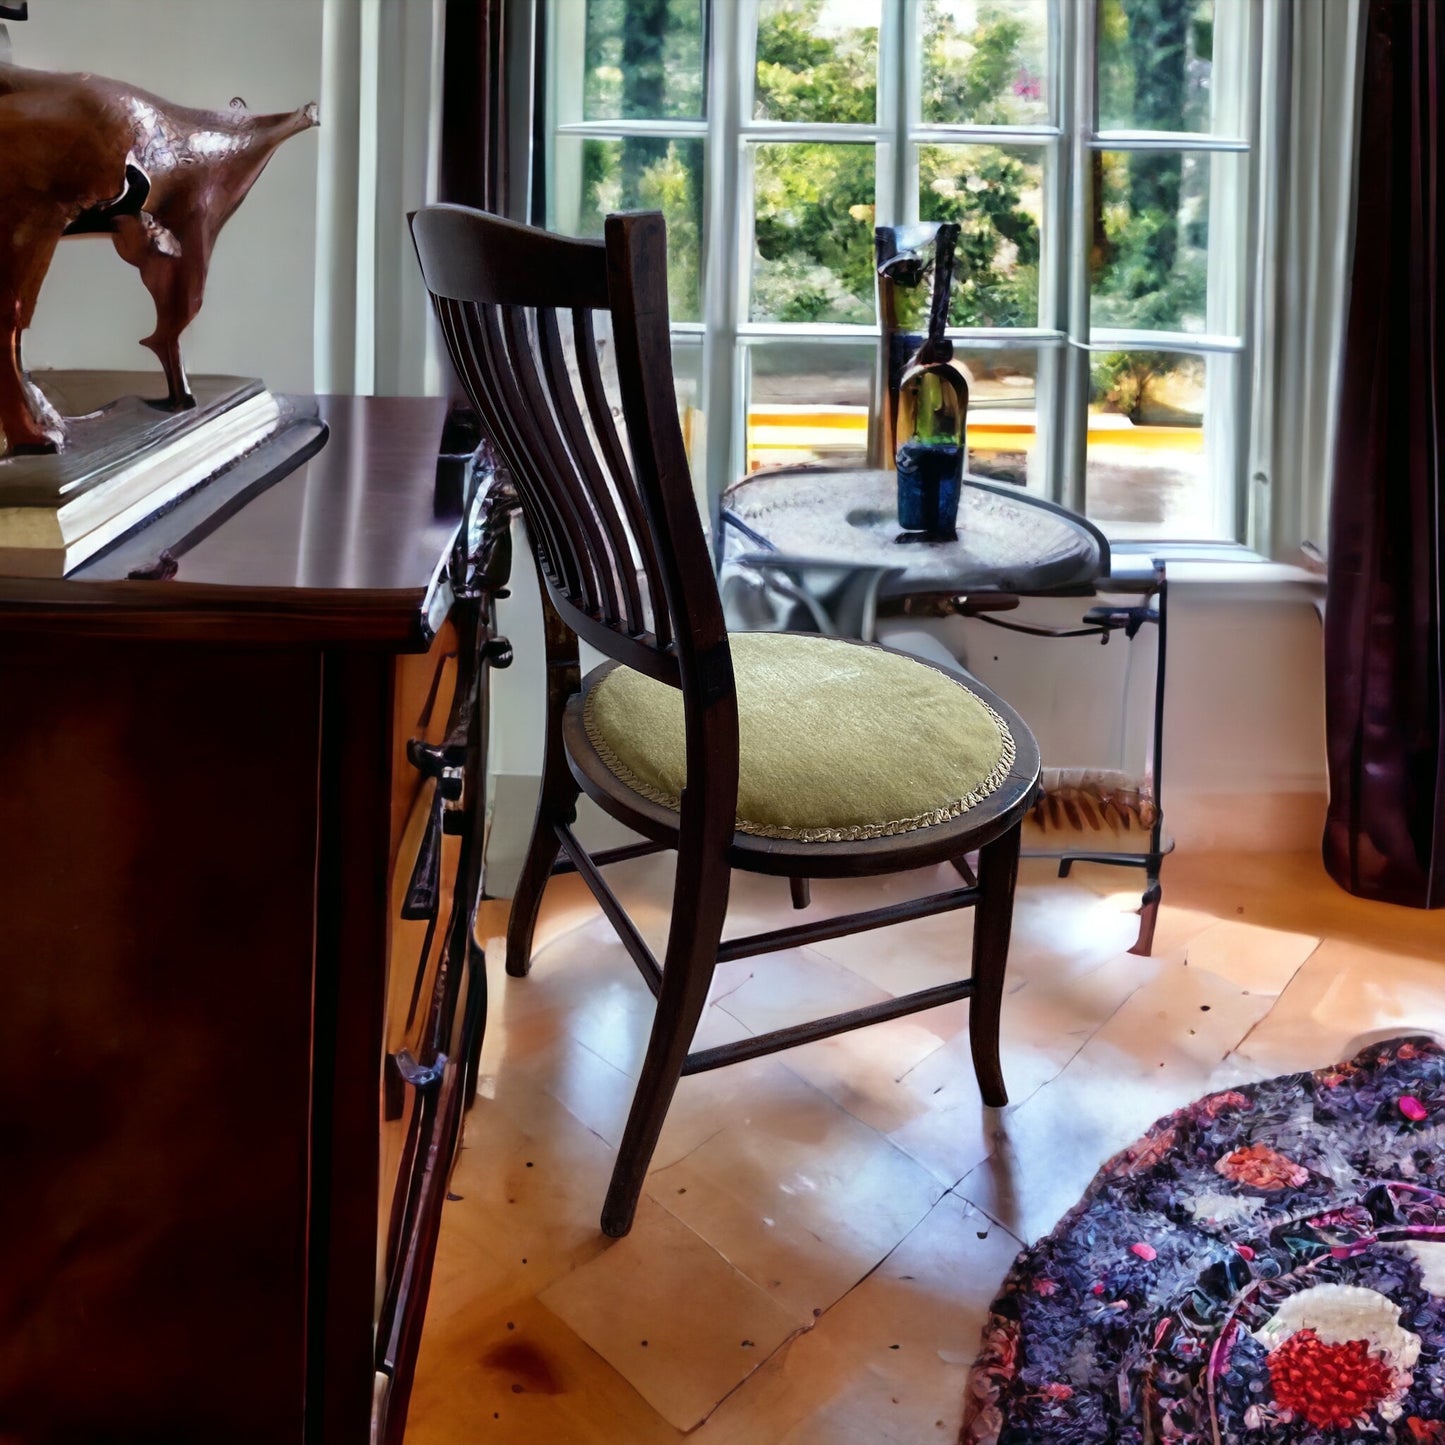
x=801, y=890
x=557, y=802
x=1148, y=914
x=699, y=909
x=998, y=866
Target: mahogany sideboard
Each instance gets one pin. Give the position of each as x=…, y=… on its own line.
x=233, y=987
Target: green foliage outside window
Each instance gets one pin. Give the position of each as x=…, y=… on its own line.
x=983, y=188
x=982, y=64
x=814, y=233
x=644, y=60
x=1149, y=252
x=815, y=201
x=986, y=73
x=645, y=173
x=805, y=74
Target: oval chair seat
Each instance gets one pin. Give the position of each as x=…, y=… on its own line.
x=839, y=743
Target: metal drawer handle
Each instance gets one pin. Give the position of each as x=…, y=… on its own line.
x=422, y=1077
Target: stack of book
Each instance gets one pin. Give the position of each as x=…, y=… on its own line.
x=126, y=461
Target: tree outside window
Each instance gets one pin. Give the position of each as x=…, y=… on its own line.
x=948, y=110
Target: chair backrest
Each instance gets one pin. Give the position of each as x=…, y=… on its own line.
x=619, y=541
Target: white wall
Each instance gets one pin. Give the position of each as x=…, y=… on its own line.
x=313, y=285
x=257, y=320
x=1244, y=751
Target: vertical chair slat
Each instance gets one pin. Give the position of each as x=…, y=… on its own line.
x=493, y=350
x=461, y=325
x=626, y=486
x=564, y=400
x=578, y=507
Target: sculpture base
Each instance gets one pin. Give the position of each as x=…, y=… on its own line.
x=126, y=459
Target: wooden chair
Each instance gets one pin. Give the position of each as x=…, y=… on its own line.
x=653, y=735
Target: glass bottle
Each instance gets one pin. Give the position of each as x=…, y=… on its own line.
x=932, y=412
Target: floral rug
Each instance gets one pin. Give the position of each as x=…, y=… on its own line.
x=1266, y=1265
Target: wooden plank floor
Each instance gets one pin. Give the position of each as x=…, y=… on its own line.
x=823, y=1230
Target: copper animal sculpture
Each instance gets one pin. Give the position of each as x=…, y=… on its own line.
x=84, y=155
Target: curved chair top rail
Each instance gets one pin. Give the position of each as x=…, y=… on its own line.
x=504, y=263
x=614, y=523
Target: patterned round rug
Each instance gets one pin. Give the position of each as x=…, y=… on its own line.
x=1265, y=1265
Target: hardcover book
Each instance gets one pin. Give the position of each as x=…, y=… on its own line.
x=126, y=461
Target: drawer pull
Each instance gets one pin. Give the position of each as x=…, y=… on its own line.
x=497, y=652
x=442, y=763
x=422, y=1077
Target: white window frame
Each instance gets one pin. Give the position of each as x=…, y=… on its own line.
x=1063, y=336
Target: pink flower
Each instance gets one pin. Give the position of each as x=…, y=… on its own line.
x=1146, y=1252
x=1261, y=1167
x=1413, y=1109
x=1027, y=86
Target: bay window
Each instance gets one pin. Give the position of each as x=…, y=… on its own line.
x=1098, y=155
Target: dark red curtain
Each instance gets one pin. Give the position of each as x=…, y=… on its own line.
x=481, y=110
x=475, y=105
x=1385, y=700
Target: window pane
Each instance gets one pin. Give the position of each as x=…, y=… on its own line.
x=649, y=173
x=687, y=385
x=808, y=403
x=1003, y=409
x=817, y=60
x=813, y=237
x=644, y=58
x=985, y=62
x=1155, y=64
x=996, y=195
x=1147, y=470
x=1151, y=239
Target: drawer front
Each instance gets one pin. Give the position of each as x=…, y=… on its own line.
x=423, y=873
x=431, y=1006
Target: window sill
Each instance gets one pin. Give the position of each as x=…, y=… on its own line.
x=1226, y=565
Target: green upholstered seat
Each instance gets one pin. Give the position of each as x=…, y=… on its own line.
x=838, y=741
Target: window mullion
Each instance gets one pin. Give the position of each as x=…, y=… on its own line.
x=903, y=26
x=1076, y=29
x=725, y=215
x=1245, y=524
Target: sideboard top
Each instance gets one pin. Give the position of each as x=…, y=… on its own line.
x=350, y=547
